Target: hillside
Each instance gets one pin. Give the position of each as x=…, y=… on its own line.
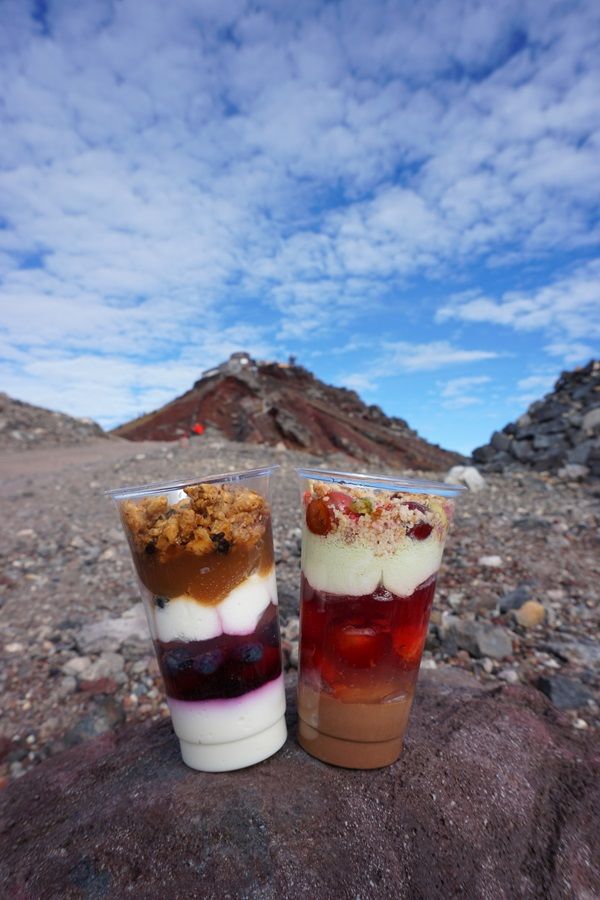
x=283, y=403
x=24, y=426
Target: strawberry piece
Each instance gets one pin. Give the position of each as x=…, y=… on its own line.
x=412, y=504
x=420, y=531
x=408, y=641
x=361, y=648
x=319, y=517
x=339, y=500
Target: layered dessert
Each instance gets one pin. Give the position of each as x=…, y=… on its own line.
x=204, y=557
x=370, y=559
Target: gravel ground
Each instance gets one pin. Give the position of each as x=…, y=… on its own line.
x=517, y=599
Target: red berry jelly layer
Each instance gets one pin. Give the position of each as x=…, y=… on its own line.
x=363, y=647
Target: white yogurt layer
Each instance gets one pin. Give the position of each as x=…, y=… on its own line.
x=340, y=568
x=184, y=619
x=221, y=721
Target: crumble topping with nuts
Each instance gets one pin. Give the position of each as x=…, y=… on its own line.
x=380, y=519
x=211, y=519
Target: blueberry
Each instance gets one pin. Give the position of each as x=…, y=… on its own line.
x=177, y=661
x=208, y=662
x=161, y=602
x=251, y=653
x=222, y=545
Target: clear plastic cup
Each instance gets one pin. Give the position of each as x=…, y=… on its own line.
x=203, y=553
x=371, y=551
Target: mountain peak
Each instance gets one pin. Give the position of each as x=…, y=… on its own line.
x=270, y=402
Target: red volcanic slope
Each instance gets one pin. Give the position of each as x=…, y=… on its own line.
x=272, y=403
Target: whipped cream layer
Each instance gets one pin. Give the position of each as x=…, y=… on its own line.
x=222, y=721
x=185, y=619
x=331, y=564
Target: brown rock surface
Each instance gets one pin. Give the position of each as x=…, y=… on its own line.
x=281, y=404
x=494, y=796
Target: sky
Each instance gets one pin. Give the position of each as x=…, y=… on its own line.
x=404, y=195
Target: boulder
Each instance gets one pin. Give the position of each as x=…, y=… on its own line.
x=467, y=475
x=495, y=795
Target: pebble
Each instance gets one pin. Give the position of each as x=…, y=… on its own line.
x=565, y=693
x=14, y=647
x=530, y=614
x=514, y=599
x=482, y=639
x=467, y=475
x=509, y=675
x=492, y=562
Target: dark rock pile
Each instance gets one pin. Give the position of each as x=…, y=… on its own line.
x=493, y=796
x=283, y=404
x=560, y=433
x=23, y=426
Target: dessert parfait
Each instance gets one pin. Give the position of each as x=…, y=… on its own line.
x=203, y=553
x=371, y=551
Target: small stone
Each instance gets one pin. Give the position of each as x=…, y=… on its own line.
x=509, y=675
x=455, y=599
x=514, y=599
x=482, y=639
x=14, y=647
x=467, y=475
x=77, y=665
x=591, y=420
x=98, y=686
x=107, y=554
x=487, y=665
x=492, y=562
x=565, y=693
x=530, y=614
x=68, y=685
x=292, y=630
x=428, y=663
x=573, y=472
x=580, y=724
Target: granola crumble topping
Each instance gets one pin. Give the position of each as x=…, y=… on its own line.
x=378, y=519
x=212, y=518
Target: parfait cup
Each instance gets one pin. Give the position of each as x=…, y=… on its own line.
x=371, y=552
x=203, y=554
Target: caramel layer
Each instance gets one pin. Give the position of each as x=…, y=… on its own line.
x=354, y=721
x=348, y=754
x=209, y=578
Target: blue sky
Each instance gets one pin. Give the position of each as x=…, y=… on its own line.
x=404, y=195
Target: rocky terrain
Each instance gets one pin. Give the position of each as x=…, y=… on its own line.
x=23, y=426
x=284, y=404
x=493, y=797
x=517, y=602
x=560, y=433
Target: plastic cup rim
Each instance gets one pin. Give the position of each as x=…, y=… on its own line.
x=161, y=487
x=382, y=482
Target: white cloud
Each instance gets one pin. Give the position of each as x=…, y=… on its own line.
x=459, y=393
x=401, y=357
x=566, y=311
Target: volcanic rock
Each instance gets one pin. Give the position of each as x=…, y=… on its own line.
x=23, y=426
x=284, y=404
x=565, y=693
x=494, y=796
x=559, y=434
